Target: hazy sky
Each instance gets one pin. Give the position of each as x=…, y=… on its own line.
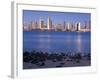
x=56, y=17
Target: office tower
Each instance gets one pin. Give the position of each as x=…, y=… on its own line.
x=49, y=23
x=41, y=23
x=78, y=26
x=32, y=25
x=64, y=26
x=36, y=25
x=59, y=27
x=85, y=27
x=68, y=26
x=72, y=27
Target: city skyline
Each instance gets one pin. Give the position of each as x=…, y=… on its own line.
x=56, y=39
x=41, y=25
x=56, y=17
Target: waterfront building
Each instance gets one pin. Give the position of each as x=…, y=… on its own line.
x=72, y=27
x=68, y=27
x=25, y=27
x=78, y=26
x=37, y=25
x=59, y=27
x=41, y=23
x=49, y=23
x=33, y=26
x=64, y=26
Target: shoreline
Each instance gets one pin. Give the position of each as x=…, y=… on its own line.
x=54, y=30
x=38, y=60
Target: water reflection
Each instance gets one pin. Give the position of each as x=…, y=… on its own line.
x=57, y=41
x=44, y=42
x=79, y=42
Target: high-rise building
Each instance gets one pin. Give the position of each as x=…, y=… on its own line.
x=64, y=26
x=85, y=25
x=68, y=26
x=37, y=25
x=72, y=26
x=59, y=27
x=78, y=26
x=49, y=23
x=41, y=23
x=32, y=25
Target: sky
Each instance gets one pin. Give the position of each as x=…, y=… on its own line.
x=56, y=17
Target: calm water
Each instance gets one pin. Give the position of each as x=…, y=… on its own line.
x=47, y=41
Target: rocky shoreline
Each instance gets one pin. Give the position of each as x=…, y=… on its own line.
x=39, y=59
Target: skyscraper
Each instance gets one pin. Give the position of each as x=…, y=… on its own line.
x=59, y=27
x=68, y=26
x=36, y=25
x=49, y=23
x=64, y=26
x=41, y=23
x=33, y=26
x=78, y=26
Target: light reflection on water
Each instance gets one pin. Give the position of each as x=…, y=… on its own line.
x=57, y=41
x=79, y=43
